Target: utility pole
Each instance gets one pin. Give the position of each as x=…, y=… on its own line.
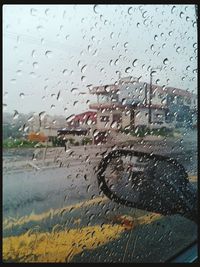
x=145, y=97
x=150, y=97
x=152, y=71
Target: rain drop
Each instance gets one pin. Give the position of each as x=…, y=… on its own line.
x=95, y=8
x=46, y=11
x=173, y=9
x=126, y=44
x=19, y=72
x=111, y=35
x=75, y=102
x=116, y=62
x=65, y=71
x=35, y=65
x=134, y=63
x=74, y=90
x=127, y=70
x=33, y=11
x=156, y=37
x=48, y=53
x=165, y=61
x=33, y=53
x=16, y=114
x=21, y=95
x=83, y=78
x=83, y=68
x=70, y=118
x=130, y=11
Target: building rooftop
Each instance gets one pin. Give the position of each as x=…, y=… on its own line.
x=104, y=89
x=110, y=106
x=83, y=117
x=113, y=88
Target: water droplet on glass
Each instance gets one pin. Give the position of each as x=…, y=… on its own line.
x=89, y=48
x=83, y=78
x=19, y=72
x=74, y=90
x=125, y=44
x=166, y=61
x=127, y=70
x=75, y=102
x=40, y=28
x=195, y=45
x=65, y=72
x=134, y=63
x=46, y=11
x=42, y=115
x=30, y=119
x=181, y=14
x=187, y=18
x=33, y=11
x=33, y=75
x=48, y=53
x=194, y=24
x=130, y=11
x=173, y=9
x=21, y=95
x=123, y=101
x=70, y=118
x=155, y=37
x=157, y=81
x=144, y=14
x=113, y=124
x=95, y=8
x=33, y=53
x=111, y=35
x=16, y=114
x=35, y=65
x=116, y=62
x=83, y=68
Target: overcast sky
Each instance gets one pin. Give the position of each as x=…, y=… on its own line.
x=51, y=53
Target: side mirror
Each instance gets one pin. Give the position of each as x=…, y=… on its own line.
x=149, y=182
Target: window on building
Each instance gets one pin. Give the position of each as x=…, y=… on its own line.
x=158, y=118
x=117, y=117
x=160, y=96
x=180, y=100
x=170, y=99
x=104, y=118
x=188, y=101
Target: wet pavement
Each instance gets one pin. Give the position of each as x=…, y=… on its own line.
x=63, y=193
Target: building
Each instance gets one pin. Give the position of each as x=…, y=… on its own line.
x=79, y=127
x=84, y=120
x=128, y=103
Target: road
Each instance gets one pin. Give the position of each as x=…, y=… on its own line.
x=62, y=203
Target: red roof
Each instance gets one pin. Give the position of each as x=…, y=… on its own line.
x=83, y=117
